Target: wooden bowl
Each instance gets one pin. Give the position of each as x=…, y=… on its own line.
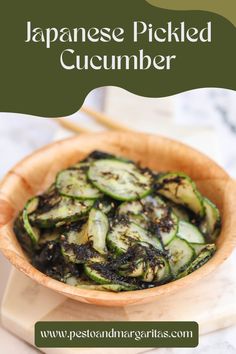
x=35, y=173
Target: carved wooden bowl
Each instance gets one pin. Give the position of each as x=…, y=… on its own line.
x=35, y=173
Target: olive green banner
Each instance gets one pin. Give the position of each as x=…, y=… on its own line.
x=53, y=53
x=116, y=334
x=226, y=8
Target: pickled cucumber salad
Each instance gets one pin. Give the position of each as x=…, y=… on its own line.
x=108, y=224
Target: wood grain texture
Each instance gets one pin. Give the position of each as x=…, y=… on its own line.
x=35, y=173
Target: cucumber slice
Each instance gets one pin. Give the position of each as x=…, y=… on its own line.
x=152, y=211
x=134, y=212
x=66, y=210
x=83, y=284
x=211, y=224
x=101, y=274
x=190, y=233
x=181, y=255
x=198, y=247
x=49, y=235
x=179, y=188
x=135, y=271
x=98, y=227
x=74, y=183
x=80, y=253
x=157, y=271
x=168, y=227
x=120, y=180
x=142, y=211
x=106, y=205
x=165, y=274
x=22, y=236
x=33, y=232
x=180, y=212
x=122, y=236
x=78, y=235
x=143, y=262
x=204, y=256
x=109, y=287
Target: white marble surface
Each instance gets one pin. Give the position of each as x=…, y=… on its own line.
x=20, y=135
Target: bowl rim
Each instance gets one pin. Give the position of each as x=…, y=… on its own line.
x=105, y=297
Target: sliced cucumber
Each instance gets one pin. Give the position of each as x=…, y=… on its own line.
x=120, y=180
x=49, y=235
x=134, y=212
x=190, y=233
x=74, y=183
x=32, y=231
x=23, y=237
x=180, y=211
x=135, y=271
x=198, y=247
x=181, y=255
x=204, y=256
x=142, y=211
x=180, y=189
x=165, y=273
x=168, y=227
x=157, y=270
x=80, y=253
x=122, y=236
x=152, y=210
x=66, y=210
x=78, y=235
x=90, y=285
x=106, y=205
x=101, y=274
x=98, y=227
x=211, y=224
x=109, y=287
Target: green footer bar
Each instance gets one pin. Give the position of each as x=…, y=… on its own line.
x=116, y=334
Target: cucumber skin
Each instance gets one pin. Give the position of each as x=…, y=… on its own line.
x=113, y=195
x=73, y=196
x=175, y=276
x=118, y=251
x=200, y=235
x=97, y=278
x=196, y=192
x=211, y=235
x=123, y=199
x=175, y=234
x=197, y=263
x=168, y=277
x=115, y=288
x=47, y=223
x=92, y=235
x=44, y=224
x=27, y=225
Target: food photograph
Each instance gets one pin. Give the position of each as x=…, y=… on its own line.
x=123, y=211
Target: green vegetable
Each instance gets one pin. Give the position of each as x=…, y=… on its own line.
x=180, y=189
x=120, y=180
x=181, y=255
x=190, y=233
x=65, y=210
x=211, y=224
x=106, y=224
x=74, y=183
